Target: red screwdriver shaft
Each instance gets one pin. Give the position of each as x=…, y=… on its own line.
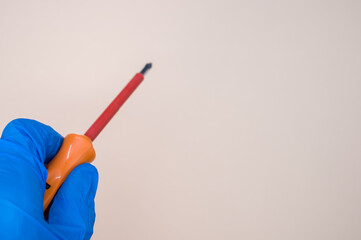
x=114, y=106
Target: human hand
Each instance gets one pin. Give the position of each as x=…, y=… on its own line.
x=25, y=147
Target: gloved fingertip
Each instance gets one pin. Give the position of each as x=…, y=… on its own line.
x=90, y=177
x=35, y=137
x=73, y=212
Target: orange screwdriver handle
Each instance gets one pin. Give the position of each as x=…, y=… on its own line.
x=75, y=150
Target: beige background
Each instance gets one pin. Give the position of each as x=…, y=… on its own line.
x=247, y=127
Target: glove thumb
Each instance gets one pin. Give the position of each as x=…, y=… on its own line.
x=72, y=213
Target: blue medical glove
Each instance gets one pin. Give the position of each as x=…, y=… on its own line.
x=25, y=146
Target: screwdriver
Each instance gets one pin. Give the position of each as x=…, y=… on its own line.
x=78, y=149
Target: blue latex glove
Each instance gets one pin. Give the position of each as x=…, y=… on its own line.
x=25, y=146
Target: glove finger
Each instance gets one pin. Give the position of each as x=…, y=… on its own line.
x=24, y=147
x=37, y=139
x=72, y=213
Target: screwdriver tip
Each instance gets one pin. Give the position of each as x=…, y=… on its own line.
x=146, y=68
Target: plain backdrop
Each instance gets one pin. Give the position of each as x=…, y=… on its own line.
x=247, y=127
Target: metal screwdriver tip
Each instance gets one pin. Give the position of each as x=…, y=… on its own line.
x=146, y=68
